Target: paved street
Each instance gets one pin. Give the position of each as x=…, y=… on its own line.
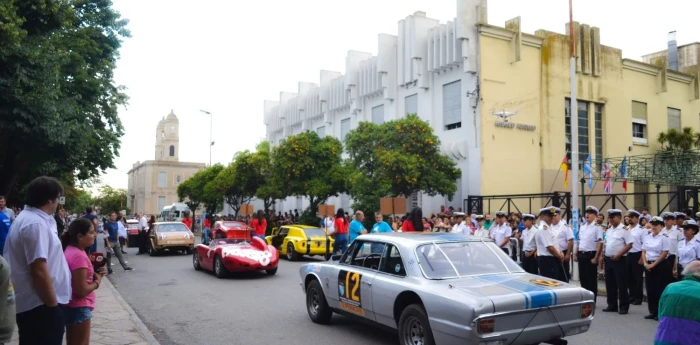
x=182, y=306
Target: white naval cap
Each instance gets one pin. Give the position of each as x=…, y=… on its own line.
x=680, y=215
x=657, y=220
x=633, y=213
x=479, y=216
x=459, y=214
x=501, y=213
x=551, y=210
x=614, y=211
x=592, y=209
x=669, y=215
x=689, y=224
x=529, y=216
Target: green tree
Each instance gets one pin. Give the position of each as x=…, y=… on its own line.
x=673, y=140
x=111, y=199
x=233, y=184
x=58, y=99
x=198, y=190
x=310, y=166
x=211, y=196
x=397, y=158
x=268, y=188
x=190, y=192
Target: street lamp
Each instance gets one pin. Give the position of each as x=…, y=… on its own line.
x=211, y=142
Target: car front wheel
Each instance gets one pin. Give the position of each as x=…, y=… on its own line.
x=414, y=327
x=219, y=268
x=292, y=254
x=271, y=272
x=195, y=261
x=316, y=304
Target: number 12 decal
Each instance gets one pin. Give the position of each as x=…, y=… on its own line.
x=349, y=288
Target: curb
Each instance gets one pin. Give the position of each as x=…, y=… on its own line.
x=135, y=318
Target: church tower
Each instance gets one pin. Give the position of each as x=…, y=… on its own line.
x=168, y=139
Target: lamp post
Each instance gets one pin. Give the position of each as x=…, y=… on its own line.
x=211, y=142
x=574, y=135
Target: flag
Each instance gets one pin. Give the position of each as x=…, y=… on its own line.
x=606, y=175
x=588, y=171
x=623, y=173
x=565, y=168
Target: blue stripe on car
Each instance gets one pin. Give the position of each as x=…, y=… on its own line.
x=536, y=296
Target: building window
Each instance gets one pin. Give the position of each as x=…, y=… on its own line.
x=412, y=104
x=598, y=134
x=639, y=122
x=344, y=129
x=452, y=105
x=674, y=119
x=280, y=142
x=378, y=114
x=582, y=118
x=172, y=150
x=161, y=203
x=321, y=131
x=177, y=179
x=162, y=179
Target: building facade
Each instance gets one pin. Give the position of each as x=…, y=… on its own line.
x=153, y=183
x=461, y=74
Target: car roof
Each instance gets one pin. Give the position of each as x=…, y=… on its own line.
x=300, y=226
x=415, y=238
x=165, y=223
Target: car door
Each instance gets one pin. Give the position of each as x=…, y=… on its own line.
x=353, y=281
x=278, y=239
x=389, y=282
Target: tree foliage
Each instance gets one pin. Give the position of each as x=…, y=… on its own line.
x=397, y=158
x=58, y=99
x=684, y=140
x=268, y=188
x=310, y=166
x=110, y=199
x=200, y=189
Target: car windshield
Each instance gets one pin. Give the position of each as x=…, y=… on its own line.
x=314, y=232
x=221, y=241
x=172, y=227
x=233, y=225
x=456, y=259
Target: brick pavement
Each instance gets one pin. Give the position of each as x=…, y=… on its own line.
x=113, y=321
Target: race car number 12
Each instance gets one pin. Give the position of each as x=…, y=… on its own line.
x=349, y=291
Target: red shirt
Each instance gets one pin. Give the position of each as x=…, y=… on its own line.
x=407, y=226
x=259, y=227
x=341, y=227
x=207, y=223
x=187, y=222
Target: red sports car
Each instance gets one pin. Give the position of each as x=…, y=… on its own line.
x=233, y=250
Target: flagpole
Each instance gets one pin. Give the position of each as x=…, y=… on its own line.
x=574, y=131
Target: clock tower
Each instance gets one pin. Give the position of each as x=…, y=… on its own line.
x=168, y=139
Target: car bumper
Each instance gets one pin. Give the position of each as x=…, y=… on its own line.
x=175, y=244
x=233, y=265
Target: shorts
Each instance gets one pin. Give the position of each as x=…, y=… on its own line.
x=75, y=315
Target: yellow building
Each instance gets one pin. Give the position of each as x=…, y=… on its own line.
x=623, y=105
x=153, y=183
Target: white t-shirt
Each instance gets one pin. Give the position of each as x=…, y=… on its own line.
x=121, y=229
x=33, y=236
x=330, y=225
x=143, y=223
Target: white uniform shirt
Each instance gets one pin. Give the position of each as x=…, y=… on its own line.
x=525, y=236
x=563, y=234
x=688, y=251
x=121, y=229
x=461, y=228
x=589, y=235
x=501, y=233
x=482, y=232
x=638, y=234
x=32, y=237
x=654, y=246
x=330, y=225
x=143, y=223
x=675, y=236
x=544, y=238
x=616, y=239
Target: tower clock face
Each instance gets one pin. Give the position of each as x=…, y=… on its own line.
x=172, y=128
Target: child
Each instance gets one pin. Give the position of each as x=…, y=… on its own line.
x=78, y=312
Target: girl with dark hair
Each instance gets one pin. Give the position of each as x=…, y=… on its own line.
x=84, y=281
x=414, y=221
x=341, y=232
x=259, y=225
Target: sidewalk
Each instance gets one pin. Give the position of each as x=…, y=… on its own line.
x=113, y=321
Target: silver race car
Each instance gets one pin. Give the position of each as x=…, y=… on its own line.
x=440, y=288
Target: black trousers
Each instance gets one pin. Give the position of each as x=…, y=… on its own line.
x=657, y=280
x=505, y=250
x=530, y=264
x=671, y=261
x=549, y=266
x=143, y=241
x=616, y=280
x=41, y=326
x=588, y=272
x=565, y=270
x=635, y=277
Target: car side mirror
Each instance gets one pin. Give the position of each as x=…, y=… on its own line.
x=336, y=257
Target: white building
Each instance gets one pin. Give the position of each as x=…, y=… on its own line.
x=429, y=68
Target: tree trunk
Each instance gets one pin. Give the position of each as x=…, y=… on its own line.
x=9, y=172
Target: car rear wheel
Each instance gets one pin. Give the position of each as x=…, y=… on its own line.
x=316, y=304
x=219, y=268
x=292, y=254
x=153, y=251
x=414, y=328
x=188, y=250
x=195, y=261
x=271, y=272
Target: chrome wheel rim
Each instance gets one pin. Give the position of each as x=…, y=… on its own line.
x=195, y=260
x=414, y=331
x=314, y=302
x=289, y=252
x=217, y=266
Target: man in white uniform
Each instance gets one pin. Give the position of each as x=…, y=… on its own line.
x=565, y=241
x=143, y=233
x=618, y=241
x=590, y=249
x=461, y=226
x=675, y=235
x=529, y=258
x=635, y=281
x=548, y=256
x=481, y=231
x=502, y=231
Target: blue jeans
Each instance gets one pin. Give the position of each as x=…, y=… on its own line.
x=74, y=315
x=262, y=237
x=206, y=235
x=341, y=243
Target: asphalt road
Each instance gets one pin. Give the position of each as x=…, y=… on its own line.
x=182, y=307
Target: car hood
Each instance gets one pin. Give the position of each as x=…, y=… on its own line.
x=521, y=291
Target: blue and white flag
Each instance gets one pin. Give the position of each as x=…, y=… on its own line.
x=588, y=171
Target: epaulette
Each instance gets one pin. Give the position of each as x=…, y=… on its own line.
x=544, y=227
x=662, y=234
x=626, y=227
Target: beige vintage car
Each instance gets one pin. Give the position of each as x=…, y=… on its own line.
x=173, y=236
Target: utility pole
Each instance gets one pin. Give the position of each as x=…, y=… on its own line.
x=573, y=112
x=211, y=142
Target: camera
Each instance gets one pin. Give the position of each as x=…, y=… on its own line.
x=98, y=260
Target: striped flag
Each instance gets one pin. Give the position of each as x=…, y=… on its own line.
x=565, y=168
x=588, y=171
x=623, y=173
x=606, y=174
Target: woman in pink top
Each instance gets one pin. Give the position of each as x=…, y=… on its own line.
x=78, y=312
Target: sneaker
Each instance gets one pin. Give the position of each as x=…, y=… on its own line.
x=110, y=272
x=126, y=262
x=650, y=317
x=113, y=264
x=128, y=268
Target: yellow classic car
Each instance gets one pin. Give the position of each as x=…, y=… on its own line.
x=172, y=236
x=295, y=241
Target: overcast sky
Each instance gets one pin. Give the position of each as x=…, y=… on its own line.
x=226, y=57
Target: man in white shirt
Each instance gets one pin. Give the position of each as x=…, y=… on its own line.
x=39, y=271
x=565, y=241
x=6, y=210
x=502, y=231
x=675, y=236
x=548, y=256
x=529, y=246
x=589, y=251
x=481, y=231
x=618, y=241
x=329, y=224
x=143, y=233
x=636, y=270
x=461, y=226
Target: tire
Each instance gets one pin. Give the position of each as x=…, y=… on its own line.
x=316, y=304
x=195, y=262
x=327, y=256
x=153, y=251
x=414, y=327
x=292, y=254
x=271, y=272
x=188, y=250
x=219, y=268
